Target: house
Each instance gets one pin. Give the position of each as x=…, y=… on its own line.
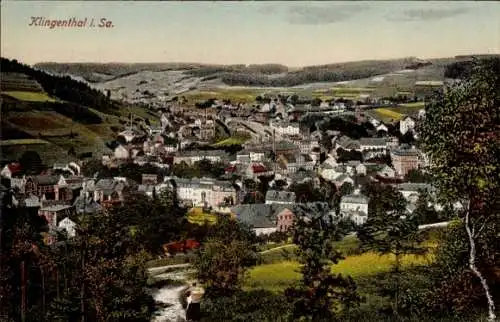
x=85, y=204
x=331, y=172
x=204, y=191
x=411, y=191
x=373, y=144
x=346, y=143
x=255, y=170
x=406, y=158
x=69, y=226
x=343, y=178
x=285, y=128
x=355, y=206
x=121, y=152
x=285, y=220
x=407, y=124
x=382, y=127
x=55, y=212
x=355, y=168
x=280, y=197
x=109, y=190
x=243, y=157
x=193, y=156
x=10, y=170
x=260, y=217
x=357, y=217
x=44, y=186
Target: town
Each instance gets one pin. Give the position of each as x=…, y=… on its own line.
x=192, y=161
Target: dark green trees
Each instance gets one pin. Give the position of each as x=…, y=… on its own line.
x=320, y=294
x=461, y=135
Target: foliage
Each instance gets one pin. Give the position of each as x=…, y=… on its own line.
x=129, y=170
x=461, y=136
x=417, y=176
x=306, y=192
x=319, y=293
x=258, y=305
x=65, y=88
x=225, y=256
x=31, y=163
x=202, y=168
x=390, y=230
x=95, y=276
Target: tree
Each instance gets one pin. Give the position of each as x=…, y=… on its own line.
x=390, y=230
x=417, y=176
x=461, y=135
x=31, y=162
x=225, y=256
x=320, y=292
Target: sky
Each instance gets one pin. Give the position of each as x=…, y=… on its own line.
x=294, y=33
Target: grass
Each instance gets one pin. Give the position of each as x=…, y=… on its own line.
x=234, y=140
x=30, y=96
x=198, y=216
x=22, y=142
x=52, y=125
x=278, y=276
x=235, y=95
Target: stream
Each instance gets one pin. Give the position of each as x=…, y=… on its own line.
x=167, y=296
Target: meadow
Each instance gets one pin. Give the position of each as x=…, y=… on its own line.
x=243, y=95
x=30, y=96
x=22, y=142
x=234, y=140
x=198, y=216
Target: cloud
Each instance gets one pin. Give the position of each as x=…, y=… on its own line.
x=427, y=14
x=314, y=15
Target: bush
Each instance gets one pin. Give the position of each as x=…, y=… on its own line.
x=243, y=306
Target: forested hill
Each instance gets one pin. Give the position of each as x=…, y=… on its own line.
x=62, y=87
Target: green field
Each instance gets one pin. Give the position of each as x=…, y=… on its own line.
x=244, y=95
x=278, y=276
x=234, y=140
x=388, y=114
x=54, y=129
x=30, y=96
x=22, y=142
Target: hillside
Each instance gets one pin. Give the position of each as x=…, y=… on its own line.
x=157, y=83
x=58, y=117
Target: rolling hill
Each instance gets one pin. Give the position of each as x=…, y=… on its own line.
x=58, y=117
x=160, y=81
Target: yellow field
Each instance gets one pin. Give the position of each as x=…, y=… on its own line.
x=276, y=277
x=30, y=96
x=197, y=216
x=389, y=113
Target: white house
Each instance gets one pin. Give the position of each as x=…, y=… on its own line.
x=355, y=167
x=204, y=191
x=375, y=122
x=355, y=206
x=121, y=152
x=382, y=127
x=406, y=124
x=331, y=172
x=69, y=226
x=285, y=128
